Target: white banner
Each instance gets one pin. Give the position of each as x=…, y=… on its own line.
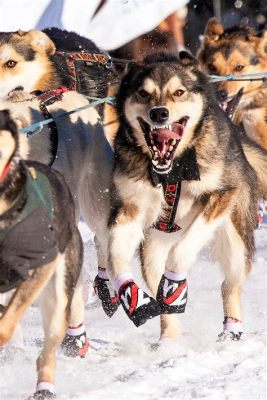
x=118, y=21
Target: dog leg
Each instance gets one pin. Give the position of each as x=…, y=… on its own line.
x=124, y=239
x=172, y=291
x=102, y=285
x=154, y=253
x=23, y=297
x=54, y=303
x=236, y=262
x=75, y=342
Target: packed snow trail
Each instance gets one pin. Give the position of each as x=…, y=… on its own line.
x=122, y=363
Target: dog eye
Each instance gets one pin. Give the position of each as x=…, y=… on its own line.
x=10, y=64
x=178, y=93
x=144, y=94
x=239, y=67
x=212, y=68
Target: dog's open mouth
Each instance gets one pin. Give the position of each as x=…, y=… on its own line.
x=229, y=106
x=162, y=141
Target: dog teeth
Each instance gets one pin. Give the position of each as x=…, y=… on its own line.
x=155, y=127
x=170, y=148
x=155, y=148
x=155, y=162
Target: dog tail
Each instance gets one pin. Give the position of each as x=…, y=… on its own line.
x=257, y=158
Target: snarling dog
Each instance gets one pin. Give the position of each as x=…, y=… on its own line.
x=40, y=249
x=180, y=178
x=238, y=50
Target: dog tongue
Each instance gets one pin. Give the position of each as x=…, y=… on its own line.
x=163, y=135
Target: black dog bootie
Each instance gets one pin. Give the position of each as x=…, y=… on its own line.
x=172, y=295
x=75, y=345
x=107, y=295
x=137, y=304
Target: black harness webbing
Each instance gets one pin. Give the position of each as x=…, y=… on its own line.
x=47, y=98
x=184, y=168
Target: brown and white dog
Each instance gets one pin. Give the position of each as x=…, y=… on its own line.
x=29, y=62
x=182, y=177
x=40, y=249
x=238, y=50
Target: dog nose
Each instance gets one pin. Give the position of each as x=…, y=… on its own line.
x=222, y=95
x=159, y=114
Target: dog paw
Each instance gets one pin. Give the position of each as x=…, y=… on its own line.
x=75, y=346
x=172, y=295
x=137, y=304
x=20, y=95
x=228, y=336
x=109, y=299
x=42, y=395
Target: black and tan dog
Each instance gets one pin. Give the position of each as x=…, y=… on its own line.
x=239, y=50
x=180, y=179
x=40, y=249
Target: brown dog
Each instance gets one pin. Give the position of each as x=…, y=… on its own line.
x=239, y=50
x=40, y=249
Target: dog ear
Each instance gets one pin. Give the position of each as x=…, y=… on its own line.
x=39, y=41
x=187, y=59
x=213, y=30
x=261, y=44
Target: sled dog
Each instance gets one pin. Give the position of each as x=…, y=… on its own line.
x=181, y=177
x=40, y=249
x=37, y=60
x=238, y=50
x=79, y=150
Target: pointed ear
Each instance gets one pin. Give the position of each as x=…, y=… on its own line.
x=213, y=30
x=187, y=59
x=261, y=44
x=38, y=40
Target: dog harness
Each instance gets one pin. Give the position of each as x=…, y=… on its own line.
x=184, y=168
x=47, y=98
x=100, y=59
x=28, y=239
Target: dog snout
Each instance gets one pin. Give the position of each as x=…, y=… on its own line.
x=222, y=95
x=159, y=114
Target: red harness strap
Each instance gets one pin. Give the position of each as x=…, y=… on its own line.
x=5, y=172
x=88, y=58
x=165, y=222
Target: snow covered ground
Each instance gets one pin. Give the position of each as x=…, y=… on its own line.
x=121, y=363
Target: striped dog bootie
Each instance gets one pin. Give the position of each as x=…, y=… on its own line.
x=172, y=293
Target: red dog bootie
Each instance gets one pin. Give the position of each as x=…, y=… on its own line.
x=172, y=293
x=75, y=343
x=106, y=293
x=137, y=304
